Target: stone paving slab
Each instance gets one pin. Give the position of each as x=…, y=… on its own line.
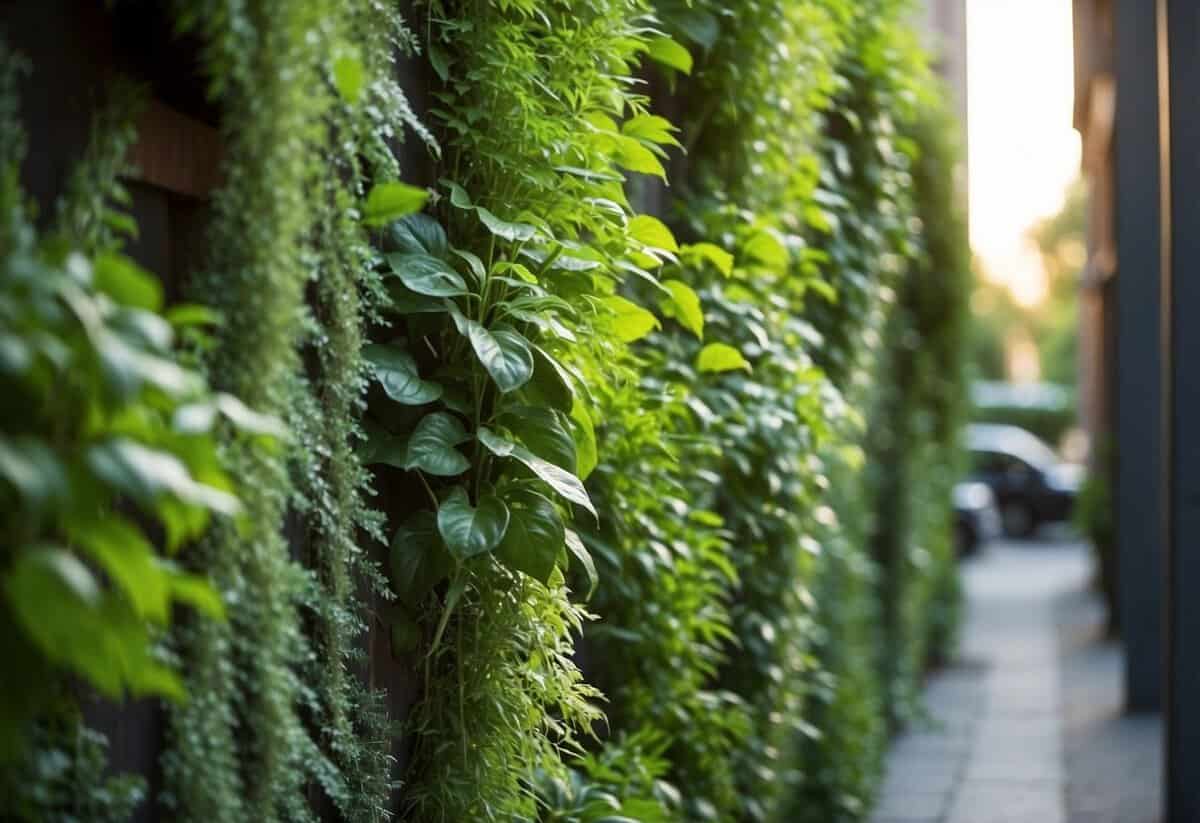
x=992, y=751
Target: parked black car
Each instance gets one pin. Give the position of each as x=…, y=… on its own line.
x=976, y=518
x=1031, y=485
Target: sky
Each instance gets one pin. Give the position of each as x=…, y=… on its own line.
x=1023, y=151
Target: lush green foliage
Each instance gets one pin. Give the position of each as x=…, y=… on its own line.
x=523, y=411
x=109, y=447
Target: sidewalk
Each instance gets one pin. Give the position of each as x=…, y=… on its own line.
x=1114, y=760
x=993, y=749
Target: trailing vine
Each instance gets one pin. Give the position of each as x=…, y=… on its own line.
x=633, y=499
x=239, y=748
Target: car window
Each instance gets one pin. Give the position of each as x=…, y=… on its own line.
x=998, y=463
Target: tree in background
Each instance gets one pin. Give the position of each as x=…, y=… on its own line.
x=1051, y=324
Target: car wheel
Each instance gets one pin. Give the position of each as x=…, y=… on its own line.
x=1018, y=519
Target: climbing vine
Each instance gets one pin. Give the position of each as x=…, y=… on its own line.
x=603, y=451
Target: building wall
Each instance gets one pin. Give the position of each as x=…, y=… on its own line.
x=1095, y=109
x=945, y=25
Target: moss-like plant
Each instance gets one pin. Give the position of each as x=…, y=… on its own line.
x=239, y=749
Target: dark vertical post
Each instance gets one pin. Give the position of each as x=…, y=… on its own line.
x=1179, y=33
x=1138, y=493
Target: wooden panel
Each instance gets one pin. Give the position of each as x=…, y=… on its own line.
x=177, y=152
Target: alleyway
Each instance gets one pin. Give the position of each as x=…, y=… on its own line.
x=995, y=748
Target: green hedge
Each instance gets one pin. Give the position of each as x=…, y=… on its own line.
x=655, y=507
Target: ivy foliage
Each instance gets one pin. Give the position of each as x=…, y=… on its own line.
x=631, y=480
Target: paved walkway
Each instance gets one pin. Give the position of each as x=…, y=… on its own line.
x=1114, y=760
x=992, y=751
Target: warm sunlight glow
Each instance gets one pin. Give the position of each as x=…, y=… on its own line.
x=1023, y=151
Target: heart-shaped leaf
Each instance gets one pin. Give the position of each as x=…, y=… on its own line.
x=504, y=353
x=471, y=531
x=431, y=448
x=535, y=536
x=560, y=480
x=419, y=560
x=416, y=234
x=427, y=275
x=397, y=372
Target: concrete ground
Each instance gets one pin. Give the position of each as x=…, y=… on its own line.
x=1026, y=726
x=1114, y=760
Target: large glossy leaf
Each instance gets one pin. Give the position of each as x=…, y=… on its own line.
x=504, y=353
x=397, y=372
x=561, y=481
x=544, y=432
x=471, y=530
x=684, y=306
x=419, y=560
x=403, y=300
x=428, y=275
x=512, y=232
x=416, y=234
x=550, y=385
x=630, y=321
x=431, y=447
x=535, y=536
x=391, y=201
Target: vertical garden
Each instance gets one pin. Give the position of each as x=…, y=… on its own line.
x=603, y=476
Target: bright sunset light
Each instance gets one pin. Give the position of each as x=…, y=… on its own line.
x=1023, y=150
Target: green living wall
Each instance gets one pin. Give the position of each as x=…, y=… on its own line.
x=629, y=440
